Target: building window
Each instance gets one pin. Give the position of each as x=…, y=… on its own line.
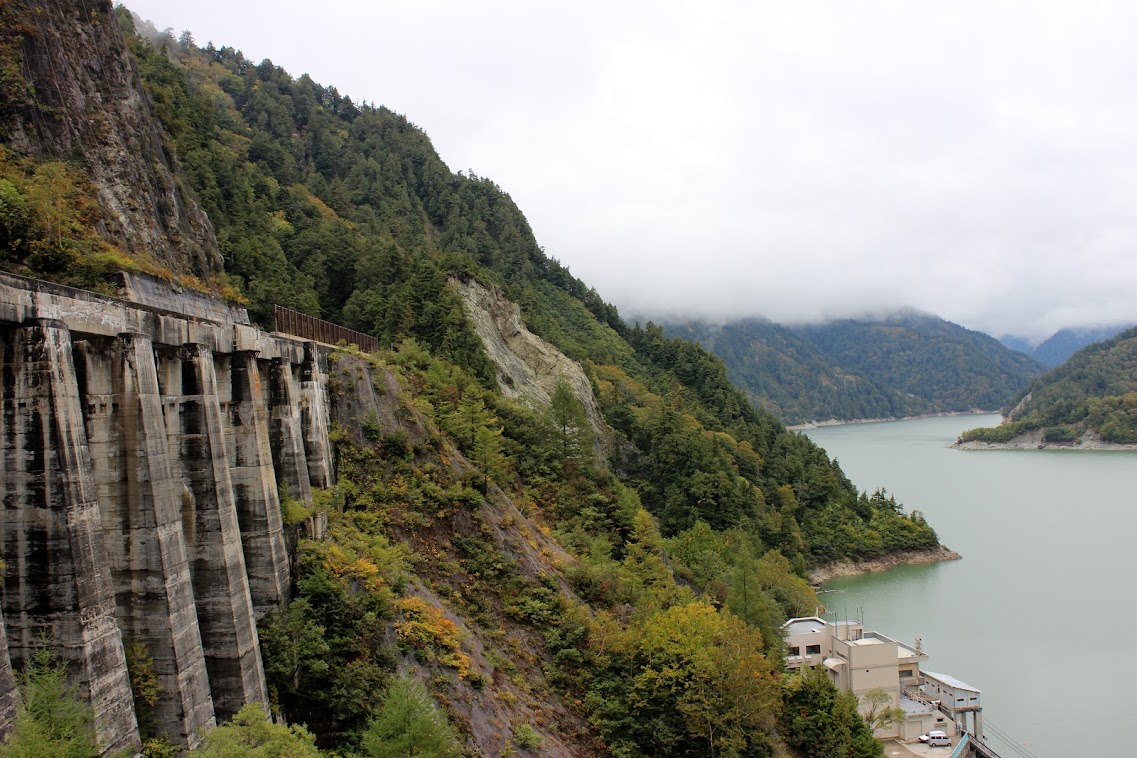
x=795, y=651
x=904, y=673
x=813, y=649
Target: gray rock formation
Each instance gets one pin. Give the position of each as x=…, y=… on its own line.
x=87, y=104
x=528, y=367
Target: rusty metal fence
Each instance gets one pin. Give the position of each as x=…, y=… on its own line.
x=288, y=321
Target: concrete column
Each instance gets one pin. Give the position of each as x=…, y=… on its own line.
x=213, y=537
x=314, y=418
x=57, y=579
x=142, y=524
x=285, y=432
x=9, y=697
x=255, y=487
x=979, y=725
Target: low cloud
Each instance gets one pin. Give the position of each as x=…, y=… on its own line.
x=791, y=160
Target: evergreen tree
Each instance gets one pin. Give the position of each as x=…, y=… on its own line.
x=409, y=726
x=251, y=735
x=52, y=721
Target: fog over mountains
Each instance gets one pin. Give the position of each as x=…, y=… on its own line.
x=904, y=364
x=1056, y=348
x=791, y=161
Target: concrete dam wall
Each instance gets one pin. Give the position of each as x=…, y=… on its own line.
x=142, y=453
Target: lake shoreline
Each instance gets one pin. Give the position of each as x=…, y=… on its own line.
x=846, y=567
x=846, y=422
x=1034, y=441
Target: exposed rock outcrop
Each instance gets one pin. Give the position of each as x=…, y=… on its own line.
x=84, y=102
x=892, y=560
x=528, y=367
x=1035, y=440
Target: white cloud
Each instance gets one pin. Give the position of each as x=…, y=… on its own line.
x=973, y=159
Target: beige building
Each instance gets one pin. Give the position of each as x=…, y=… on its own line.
x=860, y=661
x=955, y=698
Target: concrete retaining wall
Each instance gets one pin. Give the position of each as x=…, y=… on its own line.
x=141, y=456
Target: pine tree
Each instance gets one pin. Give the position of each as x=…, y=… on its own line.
x=409, y=725
x=52, y=720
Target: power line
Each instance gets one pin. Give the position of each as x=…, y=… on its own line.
x=1007, y=740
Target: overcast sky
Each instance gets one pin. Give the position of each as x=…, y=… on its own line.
x=796, y=159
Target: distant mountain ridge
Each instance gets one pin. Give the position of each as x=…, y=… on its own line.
x=1088, y=400
x=906, y=364
x=787, y=375
x=1058, y=347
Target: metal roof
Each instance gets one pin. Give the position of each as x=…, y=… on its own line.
x=950, y=681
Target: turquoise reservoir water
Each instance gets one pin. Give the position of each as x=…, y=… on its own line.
x=1041, y=613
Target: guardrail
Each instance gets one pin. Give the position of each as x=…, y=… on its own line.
x=297, y=324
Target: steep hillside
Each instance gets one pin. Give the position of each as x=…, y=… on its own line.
x=909, y=364
x=71, y=97
x=919, y=355
x=1058, y=347
x=580, y=536
x=1088, y=400
x=791, y=377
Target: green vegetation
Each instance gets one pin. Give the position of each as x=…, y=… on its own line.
x=1058, y=347
x=819, y=720
x=48, y=216
x=409, y=725
x=1094, y=391
x=953, y=368
x=51, y=721
x=785, y=374
x=654, y=668
x=251, y=735
x=622, y=583
x=906, y=365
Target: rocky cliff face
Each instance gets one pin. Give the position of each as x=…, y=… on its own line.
x=528, y=367
x=72, y=92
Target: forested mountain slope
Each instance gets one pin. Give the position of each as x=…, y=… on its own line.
x=1058, y=347
x=535, y=578
x=1091, y=397
x=928, y=358
x=907, y=364
x=791, y=377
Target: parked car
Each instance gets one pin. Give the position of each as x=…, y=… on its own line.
x=936, y=738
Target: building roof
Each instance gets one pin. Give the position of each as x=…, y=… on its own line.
x=804, y=625
x=915, y=706
x=868, y=641
x=951, y=681
x=907, y=651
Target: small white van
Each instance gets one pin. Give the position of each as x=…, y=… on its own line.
x=936, y=738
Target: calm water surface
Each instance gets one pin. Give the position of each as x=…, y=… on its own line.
x=1040, y=614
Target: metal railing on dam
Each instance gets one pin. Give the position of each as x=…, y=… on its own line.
x=297, y=324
